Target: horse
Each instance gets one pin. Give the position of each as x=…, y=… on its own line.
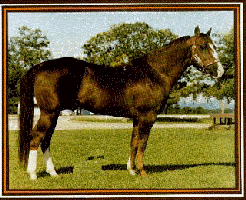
x=138, y=90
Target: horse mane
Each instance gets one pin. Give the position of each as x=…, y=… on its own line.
x=179, y=40
x=139, y=59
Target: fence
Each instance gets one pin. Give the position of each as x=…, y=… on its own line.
x=223, y=119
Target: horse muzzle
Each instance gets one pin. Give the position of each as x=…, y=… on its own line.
x=216, y=69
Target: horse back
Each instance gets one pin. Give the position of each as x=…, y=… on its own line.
x=120, y=91
x=67, y=83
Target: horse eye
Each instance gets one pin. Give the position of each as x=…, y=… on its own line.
x=203, y=47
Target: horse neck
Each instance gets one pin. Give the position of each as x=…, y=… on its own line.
x=170, y=62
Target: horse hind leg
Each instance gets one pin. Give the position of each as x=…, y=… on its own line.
x=43, y=130
x=45, y=146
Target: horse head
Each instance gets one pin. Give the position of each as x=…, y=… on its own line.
x=204, y=55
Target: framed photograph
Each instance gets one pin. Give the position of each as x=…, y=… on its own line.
x=140, y=99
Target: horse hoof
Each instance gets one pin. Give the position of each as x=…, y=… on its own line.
x=132, y=172
x=143, y=173
x=33, y=176
x=52, y=173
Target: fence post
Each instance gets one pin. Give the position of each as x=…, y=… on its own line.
x=214, y=120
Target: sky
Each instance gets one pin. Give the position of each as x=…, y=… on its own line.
x=68, y=31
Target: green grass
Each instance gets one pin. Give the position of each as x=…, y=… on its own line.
x=95, y=118
x=174, y=159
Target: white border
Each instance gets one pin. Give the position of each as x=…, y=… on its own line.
x=241, y=99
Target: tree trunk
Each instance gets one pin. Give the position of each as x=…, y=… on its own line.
x=222, y=107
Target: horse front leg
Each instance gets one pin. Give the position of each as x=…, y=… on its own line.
x=139, y=141
x=50, y=168
x=142, y=144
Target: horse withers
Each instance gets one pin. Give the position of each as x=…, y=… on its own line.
x=137, y=90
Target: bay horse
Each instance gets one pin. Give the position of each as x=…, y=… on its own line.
x=137, y=90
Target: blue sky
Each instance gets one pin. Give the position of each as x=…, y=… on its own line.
x=67, y=32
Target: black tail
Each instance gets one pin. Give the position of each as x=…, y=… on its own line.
x=26, y=115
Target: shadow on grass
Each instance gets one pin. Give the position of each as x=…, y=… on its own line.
x=62, y=170
x=148, y=168
x=162, y=168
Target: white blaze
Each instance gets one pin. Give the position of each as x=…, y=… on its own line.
x=196, y=57
x=220, y=70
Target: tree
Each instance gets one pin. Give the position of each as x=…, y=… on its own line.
x=199, y=83
x=224, y=87
x=24, y=51
x=125, y=42
x=191, y=82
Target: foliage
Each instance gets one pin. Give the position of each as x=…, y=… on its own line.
x=192, y=82
x=176, y=109
x=224, y=87
x=24, y=51
x=125, y=42
x=199, y=83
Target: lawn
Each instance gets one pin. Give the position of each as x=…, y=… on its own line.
x=174, y=159
x=96, y=118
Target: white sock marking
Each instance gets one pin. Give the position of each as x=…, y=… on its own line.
x=129, y=163
x=32, y=164
x=50, y=168
x=132, y=172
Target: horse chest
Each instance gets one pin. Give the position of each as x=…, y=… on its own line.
x=144, y=96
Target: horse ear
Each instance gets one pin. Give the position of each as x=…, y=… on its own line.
x=208, y=33
x=197, y=31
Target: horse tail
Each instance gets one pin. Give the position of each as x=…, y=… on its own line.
x=26, y=115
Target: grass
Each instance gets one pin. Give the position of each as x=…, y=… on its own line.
x=174, y=159
x=95, y=118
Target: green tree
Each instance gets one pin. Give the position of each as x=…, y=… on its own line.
x=191, y=83
x=125, y=42
x=29, y=48
x=199, y=83
x=225, y=86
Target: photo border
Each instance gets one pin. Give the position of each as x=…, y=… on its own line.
x=119, y=7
